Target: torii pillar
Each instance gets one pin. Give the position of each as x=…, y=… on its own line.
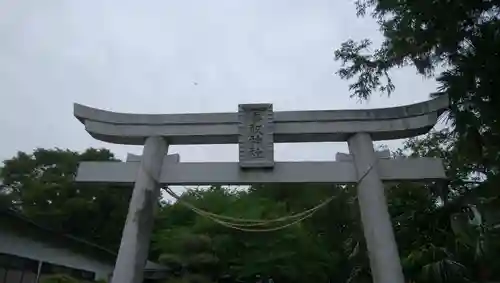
x=377, y=228
x=134, y=247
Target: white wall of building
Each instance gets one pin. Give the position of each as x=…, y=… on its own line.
x=21, y=246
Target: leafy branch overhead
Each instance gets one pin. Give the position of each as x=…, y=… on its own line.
x=371, y=69
x=456, y=43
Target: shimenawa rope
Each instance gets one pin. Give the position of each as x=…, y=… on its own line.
x=221, y=219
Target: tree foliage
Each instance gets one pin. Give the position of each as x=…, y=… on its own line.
x=41, y=186
x=457, y=42
x=59, y=278
x=445, y=233
x=294, y=254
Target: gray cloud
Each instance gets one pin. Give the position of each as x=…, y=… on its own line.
x=145, y=56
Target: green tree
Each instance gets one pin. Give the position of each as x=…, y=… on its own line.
x=193, y=260
x=59, y=278
x=41, y=186
x=461, y=224
x=294, y=254
x=455, y=42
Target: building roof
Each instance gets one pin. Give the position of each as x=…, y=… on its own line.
x=21, y=224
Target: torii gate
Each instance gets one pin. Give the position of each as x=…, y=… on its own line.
x=255, y=128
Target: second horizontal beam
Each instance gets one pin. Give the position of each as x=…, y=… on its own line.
x=226, y=173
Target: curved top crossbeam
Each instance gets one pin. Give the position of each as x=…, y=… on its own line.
x=289, y=126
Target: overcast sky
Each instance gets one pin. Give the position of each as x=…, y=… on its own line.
x=183, y=56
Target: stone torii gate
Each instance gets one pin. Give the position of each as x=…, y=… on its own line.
x=256, y=128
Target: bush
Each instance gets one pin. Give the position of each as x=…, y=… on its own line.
x=59, y=278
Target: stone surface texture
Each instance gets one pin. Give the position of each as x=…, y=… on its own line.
x=386, y=154
x=227, y=173
x=377, y=228
x=166, y=159
x=289, y=126
x=134, y=246
x=256, y=135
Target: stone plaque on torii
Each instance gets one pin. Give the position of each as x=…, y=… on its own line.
x=255, y=128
